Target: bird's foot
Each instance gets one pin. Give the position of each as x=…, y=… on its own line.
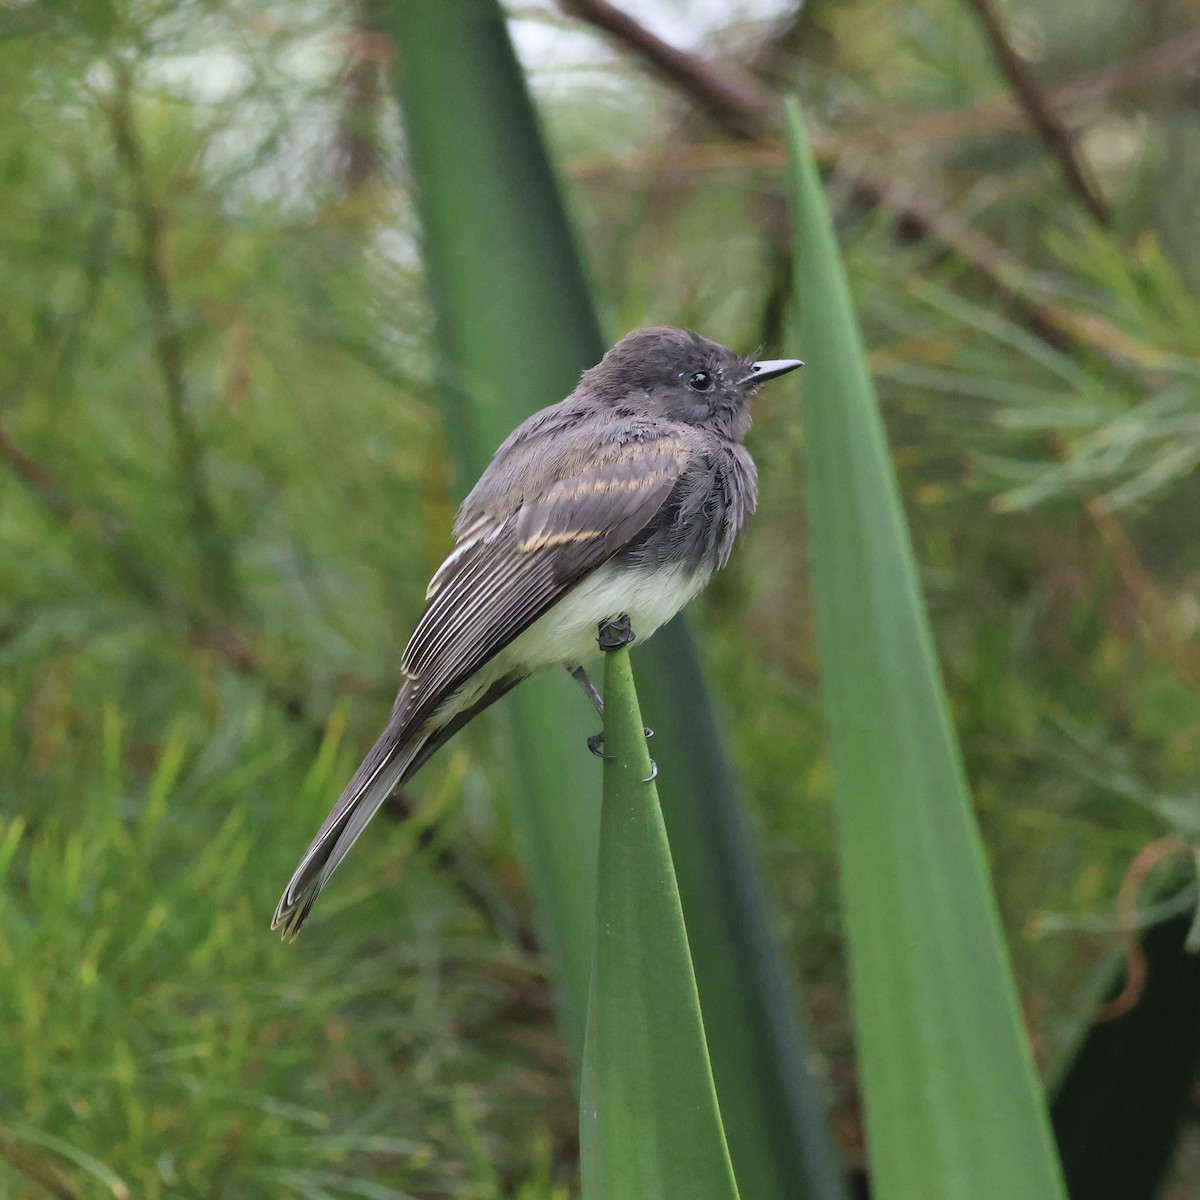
x=597, y=740
x=653, y=772
x=612, y=635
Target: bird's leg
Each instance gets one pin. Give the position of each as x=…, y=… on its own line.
x=597, y=739
x=612, y=635
x=615, y=633
x=589, y=688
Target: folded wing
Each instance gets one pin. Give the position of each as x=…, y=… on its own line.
x=505, y=572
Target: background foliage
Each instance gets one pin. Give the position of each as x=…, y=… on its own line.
x=223, y=487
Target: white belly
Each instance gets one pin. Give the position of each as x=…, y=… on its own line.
x=567, y=633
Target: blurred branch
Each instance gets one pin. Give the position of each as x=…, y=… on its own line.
x=49, y=492
x=217, y=561
x=743, y=106
x=1046, y=122
x=731, y=96
x=37, y=478
x=368, y=51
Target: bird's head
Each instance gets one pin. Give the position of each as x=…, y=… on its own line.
x=685, y=377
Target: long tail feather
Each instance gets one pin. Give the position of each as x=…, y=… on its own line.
x=399, y=752
x=382, y=772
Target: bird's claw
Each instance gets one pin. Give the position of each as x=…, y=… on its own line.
x=597, y=740
x=612, y=635
x=653, y=772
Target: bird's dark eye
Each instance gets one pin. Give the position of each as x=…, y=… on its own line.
x=701, y=381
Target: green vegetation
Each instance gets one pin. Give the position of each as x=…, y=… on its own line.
x=226, y=473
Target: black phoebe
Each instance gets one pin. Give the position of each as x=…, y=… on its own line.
x=615, y=505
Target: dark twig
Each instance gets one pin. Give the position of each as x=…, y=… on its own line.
x=53, y=497
x=1146, y=859
x=38, y=479
x=211, y=544
x=1047, y=123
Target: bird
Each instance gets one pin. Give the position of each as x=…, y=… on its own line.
x=595, y=522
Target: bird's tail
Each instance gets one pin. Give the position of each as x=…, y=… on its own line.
x=394, y=757
x=399, y=752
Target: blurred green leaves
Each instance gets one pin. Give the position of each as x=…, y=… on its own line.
x=156, y=1035
x=1021, y=406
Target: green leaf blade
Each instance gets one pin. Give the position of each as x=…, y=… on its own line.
x=770, y=1103
x=649, y=1122
x=952, y=1101
x=516, y=326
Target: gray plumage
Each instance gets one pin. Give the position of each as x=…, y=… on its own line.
x=623, y=498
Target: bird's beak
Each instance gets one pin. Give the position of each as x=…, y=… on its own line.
x=768, y=368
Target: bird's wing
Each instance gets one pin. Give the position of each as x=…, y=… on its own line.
x=506, y=571
x=556, y=443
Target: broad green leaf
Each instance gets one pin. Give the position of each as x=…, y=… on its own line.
x=953, y=1104
x=516, y=327
x=649, y=1125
